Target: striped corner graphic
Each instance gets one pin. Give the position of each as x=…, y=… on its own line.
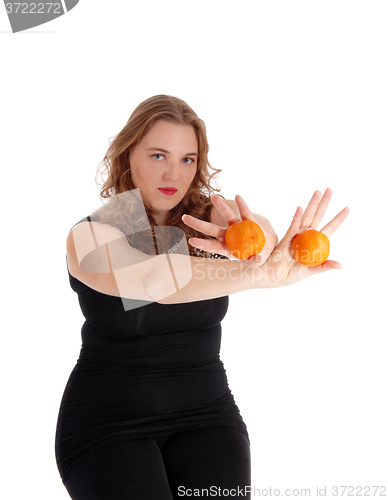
x=25, y=15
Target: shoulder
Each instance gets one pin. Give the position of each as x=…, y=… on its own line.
x=96, y=252
x=85, y=244
x=94, y=231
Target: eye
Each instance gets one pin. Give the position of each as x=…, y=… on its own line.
x=157, y=156
x=189, y=160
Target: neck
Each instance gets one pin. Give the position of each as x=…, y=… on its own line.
x=160, y=219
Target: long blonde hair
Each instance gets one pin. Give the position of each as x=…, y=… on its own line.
x=196, y=201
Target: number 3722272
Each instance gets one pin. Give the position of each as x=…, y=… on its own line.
x=33, y=8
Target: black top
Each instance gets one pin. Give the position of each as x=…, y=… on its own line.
x=143, y=371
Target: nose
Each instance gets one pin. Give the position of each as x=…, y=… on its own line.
x=172, y=170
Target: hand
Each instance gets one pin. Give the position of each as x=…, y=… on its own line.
x=281, y=266
x=219, y=246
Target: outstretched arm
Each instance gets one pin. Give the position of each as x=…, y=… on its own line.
x=115, y=268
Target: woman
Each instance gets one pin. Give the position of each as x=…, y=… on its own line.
x=147, y=412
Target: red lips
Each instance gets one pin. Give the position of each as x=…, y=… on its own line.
x=168, y=190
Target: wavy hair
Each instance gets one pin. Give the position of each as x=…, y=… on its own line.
x=116, y=165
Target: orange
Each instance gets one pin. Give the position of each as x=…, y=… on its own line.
x=311, y=248
x=244, y=239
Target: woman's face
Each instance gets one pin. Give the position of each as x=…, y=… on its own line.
x=164, y=164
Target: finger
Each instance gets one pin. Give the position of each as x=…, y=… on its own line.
x=211, y=246
x=321, y=209
x=227, y=213
x=334, y=224
x=294, y=227
x=243, y=207
x=328, y=265
x=203, y=226
x=254, y=261
x=308, y=215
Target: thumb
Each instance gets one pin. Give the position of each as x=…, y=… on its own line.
x=254, y=261
x=328, y=265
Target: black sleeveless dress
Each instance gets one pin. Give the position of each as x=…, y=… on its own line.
x=141, y=372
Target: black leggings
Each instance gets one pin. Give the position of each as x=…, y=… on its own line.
x=209, y=462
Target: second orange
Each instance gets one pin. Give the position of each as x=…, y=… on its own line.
x=311, y=247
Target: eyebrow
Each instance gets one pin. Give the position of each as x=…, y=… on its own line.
x=168, y=152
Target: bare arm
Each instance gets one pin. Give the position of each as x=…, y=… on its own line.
x=115, y=268
x=213, y=278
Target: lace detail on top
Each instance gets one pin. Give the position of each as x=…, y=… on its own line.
x=195, y=252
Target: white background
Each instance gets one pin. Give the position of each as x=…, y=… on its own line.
x=294, y=96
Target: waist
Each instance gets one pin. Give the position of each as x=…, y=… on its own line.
x=92, y=362
x=145, y=390
x=171, y=351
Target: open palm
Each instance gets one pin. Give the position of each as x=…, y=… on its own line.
x=281, y=266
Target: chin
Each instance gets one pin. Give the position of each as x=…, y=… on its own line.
x=166, y=206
